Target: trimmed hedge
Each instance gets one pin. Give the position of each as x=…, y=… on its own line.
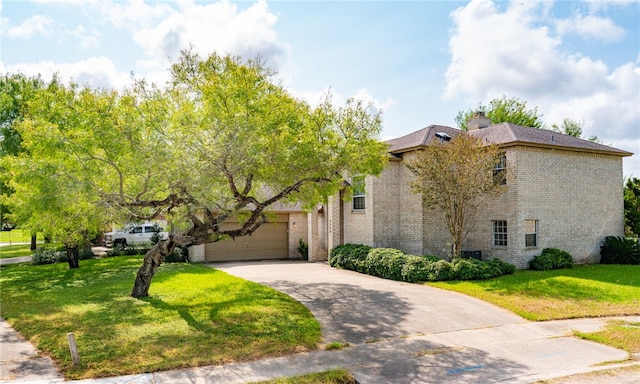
x=619, y=250
x=394, y=264
x=551, y=258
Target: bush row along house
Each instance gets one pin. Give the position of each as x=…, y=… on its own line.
x=563, y=192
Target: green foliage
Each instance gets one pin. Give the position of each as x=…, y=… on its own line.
x=155, y=237
x=509, y=110
x=632, y=205
x=303, y=249
x=42, y=256
x=394, y=264
x=456, y=178
x=619, y=250
x=223, y=139
x=349, y=256
x=179, y=255
x=504, y=267
x=473, y=269
x=385, y=262
x=417, y=268
x=442, y=271
x=551, y=258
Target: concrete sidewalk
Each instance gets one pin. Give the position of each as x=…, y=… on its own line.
x=398, y=333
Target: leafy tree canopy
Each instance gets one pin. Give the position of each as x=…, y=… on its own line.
x=456, y=178
x=223, y=140
x=632, y=205
x=509, y=110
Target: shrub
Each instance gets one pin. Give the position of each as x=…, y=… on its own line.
x=618, y=250
x=85, y=254
x=442, y=270
x=504, y=267
x=115, y=251
x=385, y=262
x=45, y=256
x=432, y=258
x=551, y=258
x=349, y=256
x=417, y=268
x=473, y=269
x=303, y=250
x=178, y=255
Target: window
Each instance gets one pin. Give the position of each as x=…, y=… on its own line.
x=136, y=230
x=500, y=170
x=357, y=185
x=499, y=233
x=531, y=233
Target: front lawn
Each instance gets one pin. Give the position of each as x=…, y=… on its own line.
x=7, y=251
x=195, y=316
x=17, y=236
x=582, y=291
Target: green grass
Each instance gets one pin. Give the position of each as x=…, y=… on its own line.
x=583, y=291
x=16, y=236
x=8, y=251
x=194, y=316
x=338, y=376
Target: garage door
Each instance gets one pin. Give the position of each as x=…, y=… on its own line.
x=269, y=241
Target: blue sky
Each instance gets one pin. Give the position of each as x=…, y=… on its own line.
x=420, y=62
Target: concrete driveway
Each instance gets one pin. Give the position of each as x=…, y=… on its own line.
x=408, y=333
x=356, y=308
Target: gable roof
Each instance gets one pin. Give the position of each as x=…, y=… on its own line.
x=505, y=135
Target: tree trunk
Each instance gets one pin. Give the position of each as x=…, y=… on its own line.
x=150, y=265
x=33, y=242
x=72, y=257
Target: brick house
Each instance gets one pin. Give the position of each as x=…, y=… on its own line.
x=563, y=192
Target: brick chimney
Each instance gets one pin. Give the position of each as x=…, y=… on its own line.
x=478, y=121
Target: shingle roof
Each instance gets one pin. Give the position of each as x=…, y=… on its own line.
x=504, y=134
x=420, y=138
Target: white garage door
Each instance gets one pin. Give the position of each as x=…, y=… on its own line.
x=269, y=241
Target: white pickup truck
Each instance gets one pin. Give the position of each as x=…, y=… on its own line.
x=134, y=234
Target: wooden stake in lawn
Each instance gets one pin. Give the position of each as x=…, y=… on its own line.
x=73, y=348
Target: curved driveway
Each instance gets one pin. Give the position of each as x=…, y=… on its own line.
x=356, y=308
x=409, y=333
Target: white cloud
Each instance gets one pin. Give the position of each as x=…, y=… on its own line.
x=34, y=25
x=591, y=27
x=514, y=53
x=219, y=27
x=95, y=72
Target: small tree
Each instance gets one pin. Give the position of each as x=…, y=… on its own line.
x=456, y=177
x=632, y=205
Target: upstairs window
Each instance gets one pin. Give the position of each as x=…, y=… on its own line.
x=357, y=186
x=531, y=233
x=500, y=170
x=499, y=233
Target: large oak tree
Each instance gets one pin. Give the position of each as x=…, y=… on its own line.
x=222, y=141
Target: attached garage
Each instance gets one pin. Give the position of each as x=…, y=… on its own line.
x=269, y=242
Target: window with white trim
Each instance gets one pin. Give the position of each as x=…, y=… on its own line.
x=499, y=233
x=357, y=187
x=531, y=233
